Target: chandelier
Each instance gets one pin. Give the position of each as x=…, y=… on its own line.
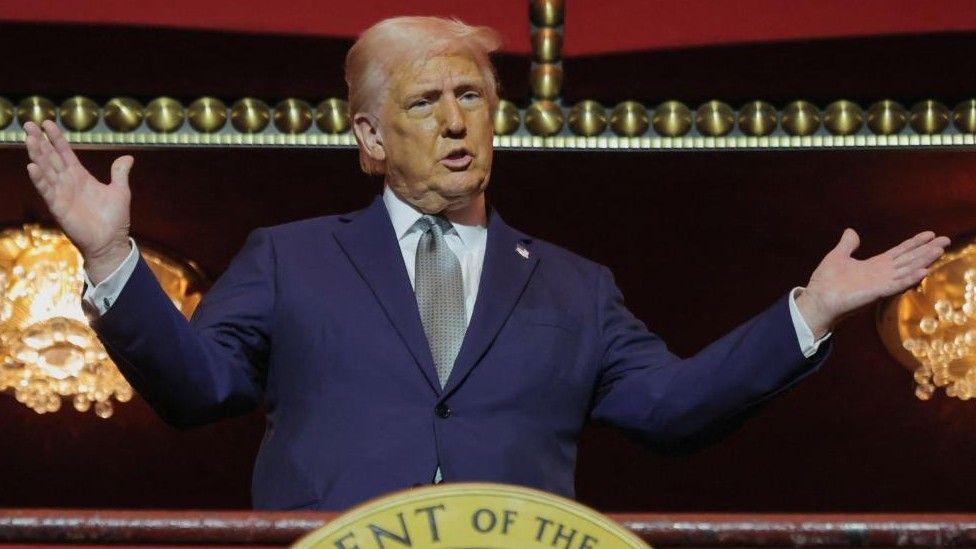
x=931, y=329
x=47, y=350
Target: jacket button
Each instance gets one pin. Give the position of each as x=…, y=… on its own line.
x=442, y=410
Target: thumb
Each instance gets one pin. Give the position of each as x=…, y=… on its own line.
x=849, y=241
x=120, y=170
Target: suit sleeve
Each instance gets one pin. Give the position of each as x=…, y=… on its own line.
x=649, y=392
x=210, y=367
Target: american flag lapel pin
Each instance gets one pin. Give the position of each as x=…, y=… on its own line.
x=522, y=251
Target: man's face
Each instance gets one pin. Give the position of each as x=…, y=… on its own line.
x=437, y=134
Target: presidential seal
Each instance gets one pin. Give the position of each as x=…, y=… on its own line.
x=471, y=516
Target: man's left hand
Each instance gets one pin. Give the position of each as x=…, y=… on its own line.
x=841, y=284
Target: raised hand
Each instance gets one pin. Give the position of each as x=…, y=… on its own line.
x=841, y=284
x=95, y=216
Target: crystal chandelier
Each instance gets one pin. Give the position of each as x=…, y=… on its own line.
x=932, y=329
x=47, y=351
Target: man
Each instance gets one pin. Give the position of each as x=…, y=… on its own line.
x=422, y=338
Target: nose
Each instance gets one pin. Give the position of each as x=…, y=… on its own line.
x=453, y=123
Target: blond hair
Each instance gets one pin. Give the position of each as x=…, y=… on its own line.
x=402, y=40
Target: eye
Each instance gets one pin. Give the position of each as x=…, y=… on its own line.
x=470, y=96
x=422, y=102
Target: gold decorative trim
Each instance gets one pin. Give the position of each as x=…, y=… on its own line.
x=544, y=124
x=504, y=142
x=739, y=142
x=546, y=36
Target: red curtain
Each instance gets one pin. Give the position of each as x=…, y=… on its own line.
x=592, y=26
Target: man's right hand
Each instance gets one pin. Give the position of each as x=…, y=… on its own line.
x=93, y=215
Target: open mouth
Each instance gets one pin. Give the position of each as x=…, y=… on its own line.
x=458, y=159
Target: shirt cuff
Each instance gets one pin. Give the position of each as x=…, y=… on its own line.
x=804, y=335
x=99, y=298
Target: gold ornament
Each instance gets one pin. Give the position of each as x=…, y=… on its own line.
x=547, y=80
x=714, y=119
x=629, y=119
x=843, y=117
x=250, y=115
x=123, y=114
x=36, y=109
x=887, y=117
x=547, y=44
x=801, y=118
x=544, y=118
x=546, y=13
x=757, y=118
x=6, y=112
x=207, y=114
x=506, y=118
x=164, y=114
x=931, y=329
x=332, y=116
x=79, y=113
x=929, y=117
x=588, y=118
x=292, y=116
x=671, y=119
x=47, y=350
x=964, y=116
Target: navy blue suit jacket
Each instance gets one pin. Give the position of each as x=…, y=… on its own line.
x=317, y=320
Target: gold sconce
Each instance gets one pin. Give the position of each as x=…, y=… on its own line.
x=931, y=329
x=47, y=350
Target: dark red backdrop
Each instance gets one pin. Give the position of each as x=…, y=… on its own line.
x=592, y=26
x=698, y=241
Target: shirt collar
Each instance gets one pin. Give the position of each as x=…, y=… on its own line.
x=404, y=216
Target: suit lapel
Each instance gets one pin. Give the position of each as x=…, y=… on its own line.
x=368, y=239
x=503, y=278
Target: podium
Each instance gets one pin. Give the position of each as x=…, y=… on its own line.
x=282, y=528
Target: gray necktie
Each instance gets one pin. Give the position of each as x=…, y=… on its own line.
x=440, y=294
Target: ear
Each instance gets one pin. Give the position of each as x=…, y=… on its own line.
x=367, y=130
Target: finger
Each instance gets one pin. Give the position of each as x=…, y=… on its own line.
x=908, y=256
x=33, y=149
x=910, y=279
x=922, y=255
x=911, y=272
x=48, y=155
x=120, y=170
x=56, y=161
x=61, y=144
x=47, y=145
x=31, y=128
x=38, y=146
x=925, y=259
x=921, y=262
x=37, y=177
x=849, y=241
x=911, y=243
x=903, y=283
x=48, y=172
